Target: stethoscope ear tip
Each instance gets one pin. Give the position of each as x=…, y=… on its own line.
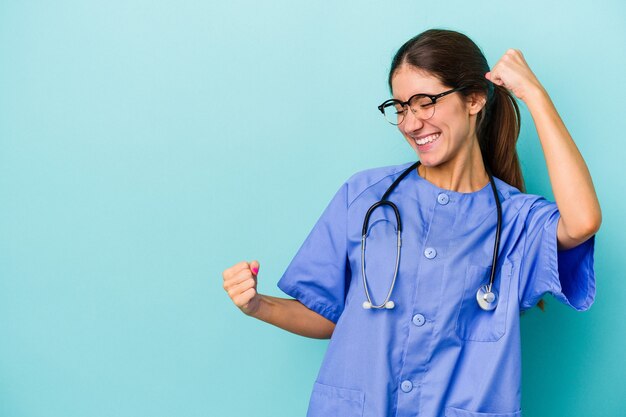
x=388, y=305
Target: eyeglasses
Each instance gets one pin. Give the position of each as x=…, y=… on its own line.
x=422, y=106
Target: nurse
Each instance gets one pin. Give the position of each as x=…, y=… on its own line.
x=437, y=352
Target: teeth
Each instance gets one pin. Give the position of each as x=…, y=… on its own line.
x=427, y=139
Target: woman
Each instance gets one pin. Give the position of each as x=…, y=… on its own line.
x=438, y=333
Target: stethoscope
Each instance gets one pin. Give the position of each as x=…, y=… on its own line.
x=486, y=296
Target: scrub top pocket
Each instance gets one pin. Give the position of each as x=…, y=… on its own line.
x=327, y=400
x=474, y=323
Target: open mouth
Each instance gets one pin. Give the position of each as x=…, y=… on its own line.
x=427, y=139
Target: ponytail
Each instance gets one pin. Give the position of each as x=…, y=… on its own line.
x=497, y=128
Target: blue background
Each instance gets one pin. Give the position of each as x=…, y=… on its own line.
x=146, y=146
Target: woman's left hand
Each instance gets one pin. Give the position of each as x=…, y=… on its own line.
x=512, y=72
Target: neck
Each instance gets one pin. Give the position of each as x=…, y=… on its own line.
x=464, y=174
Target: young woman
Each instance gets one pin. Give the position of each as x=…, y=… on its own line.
x=419, y=271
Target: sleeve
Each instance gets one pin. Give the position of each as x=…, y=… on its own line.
x=319, y=273
x=567, y=274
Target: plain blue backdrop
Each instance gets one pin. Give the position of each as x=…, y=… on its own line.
x=145, y=146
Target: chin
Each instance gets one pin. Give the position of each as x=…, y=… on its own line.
x=429, y=160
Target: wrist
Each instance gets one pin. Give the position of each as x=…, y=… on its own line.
x=260, y=307
x=535, y=95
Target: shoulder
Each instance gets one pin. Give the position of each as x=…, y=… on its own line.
x=363, y=180
x=524, y=204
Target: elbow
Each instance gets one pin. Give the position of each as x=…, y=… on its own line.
x=575, y=232
x=329, y=331
x=594, y=223
x=586, y=229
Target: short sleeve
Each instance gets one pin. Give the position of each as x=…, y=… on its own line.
x=319, y=273
x=567, y=274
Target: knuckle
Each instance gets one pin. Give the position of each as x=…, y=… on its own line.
x=234, y=269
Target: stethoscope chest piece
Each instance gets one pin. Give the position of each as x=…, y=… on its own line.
x=487, y=300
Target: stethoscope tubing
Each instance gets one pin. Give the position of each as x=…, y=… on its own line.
x=496, y=245
x=488, y=296
x=399, y=244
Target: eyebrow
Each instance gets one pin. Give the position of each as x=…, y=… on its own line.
x=425, y=94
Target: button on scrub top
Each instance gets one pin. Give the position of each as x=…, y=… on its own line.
x=437, y=353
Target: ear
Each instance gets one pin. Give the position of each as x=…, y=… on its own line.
x=476, y=102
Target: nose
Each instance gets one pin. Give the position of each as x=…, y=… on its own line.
x=411, y=122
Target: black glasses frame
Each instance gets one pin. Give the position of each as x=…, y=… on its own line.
x=405, y=104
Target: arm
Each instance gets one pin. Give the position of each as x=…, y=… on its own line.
x=293, y=316
x=571, y=183
x=240, y=282
x=570, y=179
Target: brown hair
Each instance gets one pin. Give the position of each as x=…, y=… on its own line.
x=457, y=61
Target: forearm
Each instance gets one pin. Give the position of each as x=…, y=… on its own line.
x=293, y=316
x=571, y=182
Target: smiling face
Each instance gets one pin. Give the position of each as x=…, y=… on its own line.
x=448, y=137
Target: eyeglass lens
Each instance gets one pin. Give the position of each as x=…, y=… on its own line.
x=421, y=106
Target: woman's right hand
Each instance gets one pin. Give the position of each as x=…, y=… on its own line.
x=240, y=283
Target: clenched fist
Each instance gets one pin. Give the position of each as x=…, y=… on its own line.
x=240, y=283
x=512, y=72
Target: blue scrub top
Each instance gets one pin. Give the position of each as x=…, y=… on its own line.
x=436, y=353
